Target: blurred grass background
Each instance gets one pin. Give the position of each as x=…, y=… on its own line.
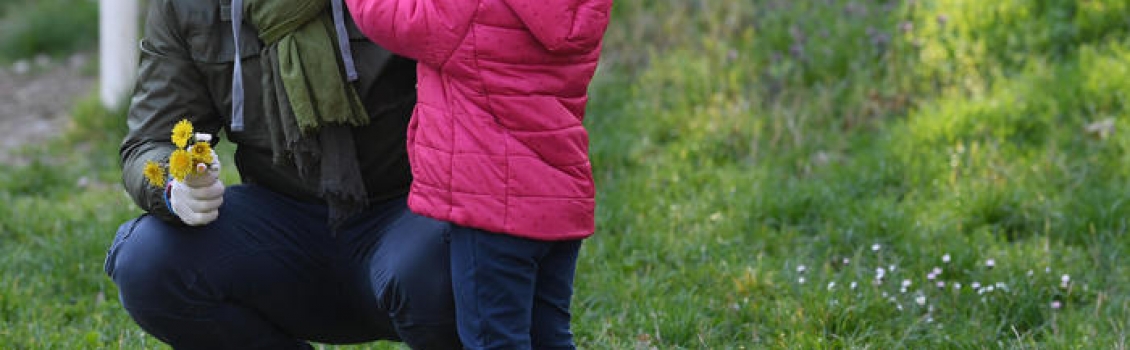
x=757, y=163
x=50, y=27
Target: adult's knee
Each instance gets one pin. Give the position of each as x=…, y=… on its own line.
x=421, y=304
x=416, y=255
x=149, y=274
x=412, y=279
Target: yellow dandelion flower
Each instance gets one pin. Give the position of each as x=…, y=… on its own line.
x=155, y=174
x=180, y=163
x=201, y=153
x=181, y=133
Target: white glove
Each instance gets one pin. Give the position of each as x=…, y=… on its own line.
x=197, y=200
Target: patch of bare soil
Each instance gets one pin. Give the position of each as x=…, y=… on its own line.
x=36, y=98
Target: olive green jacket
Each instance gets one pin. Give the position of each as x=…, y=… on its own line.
x=186, y=72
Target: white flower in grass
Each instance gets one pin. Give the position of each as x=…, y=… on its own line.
x=975, y=285
x=946, y=258
x=847, y=261
x=1065, y=279
x=884, y=294
x=990, y=263
x=880, y=273
x=1030, y=273
x=875, y=247
x=801, y=280
x=931, y=276
x=1048, y=269
x=902, y=290
x=831, y=285
x=905, y=283
x=957, y=285
x=940, y=284
x=1001, y=286
x=920, y=300
x=898, y=307
x=936, y=271
x=891, y=268
x=801, y=268
x=1056, y=304
x=853, y=285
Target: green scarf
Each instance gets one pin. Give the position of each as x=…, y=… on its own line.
x=302, y=35
x=310, y=107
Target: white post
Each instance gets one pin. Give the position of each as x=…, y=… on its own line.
x=117, y=42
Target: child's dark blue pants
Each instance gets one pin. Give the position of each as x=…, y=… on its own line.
x=512, y=292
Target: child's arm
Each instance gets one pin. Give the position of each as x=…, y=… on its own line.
x=565, y=26
x=424, y=30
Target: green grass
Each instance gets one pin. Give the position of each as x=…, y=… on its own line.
x=735, y=142
x=52, y=27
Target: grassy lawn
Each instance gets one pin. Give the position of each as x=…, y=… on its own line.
x=51, y=27
x=772, y=174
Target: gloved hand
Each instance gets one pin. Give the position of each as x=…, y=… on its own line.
x=197, y=199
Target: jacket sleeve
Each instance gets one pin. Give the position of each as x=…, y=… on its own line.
x=565, y=26
x=425, y=30
x=168, y=88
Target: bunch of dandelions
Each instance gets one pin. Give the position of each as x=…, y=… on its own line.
x=192, y=156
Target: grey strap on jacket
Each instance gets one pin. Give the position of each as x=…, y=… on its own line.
x=237, y=74
x=343, y=40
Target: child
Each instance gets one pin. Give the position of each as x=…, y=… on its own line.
x=497, y=148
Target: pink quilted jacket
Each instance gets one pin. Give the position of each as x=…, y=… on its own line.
x=496, y=140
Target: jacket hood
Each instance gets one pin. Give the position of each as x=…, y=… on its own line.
x=564, y=26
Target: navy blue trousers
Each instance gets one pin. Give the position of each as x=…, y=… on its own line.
x=267, y=274
x=510, y=292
